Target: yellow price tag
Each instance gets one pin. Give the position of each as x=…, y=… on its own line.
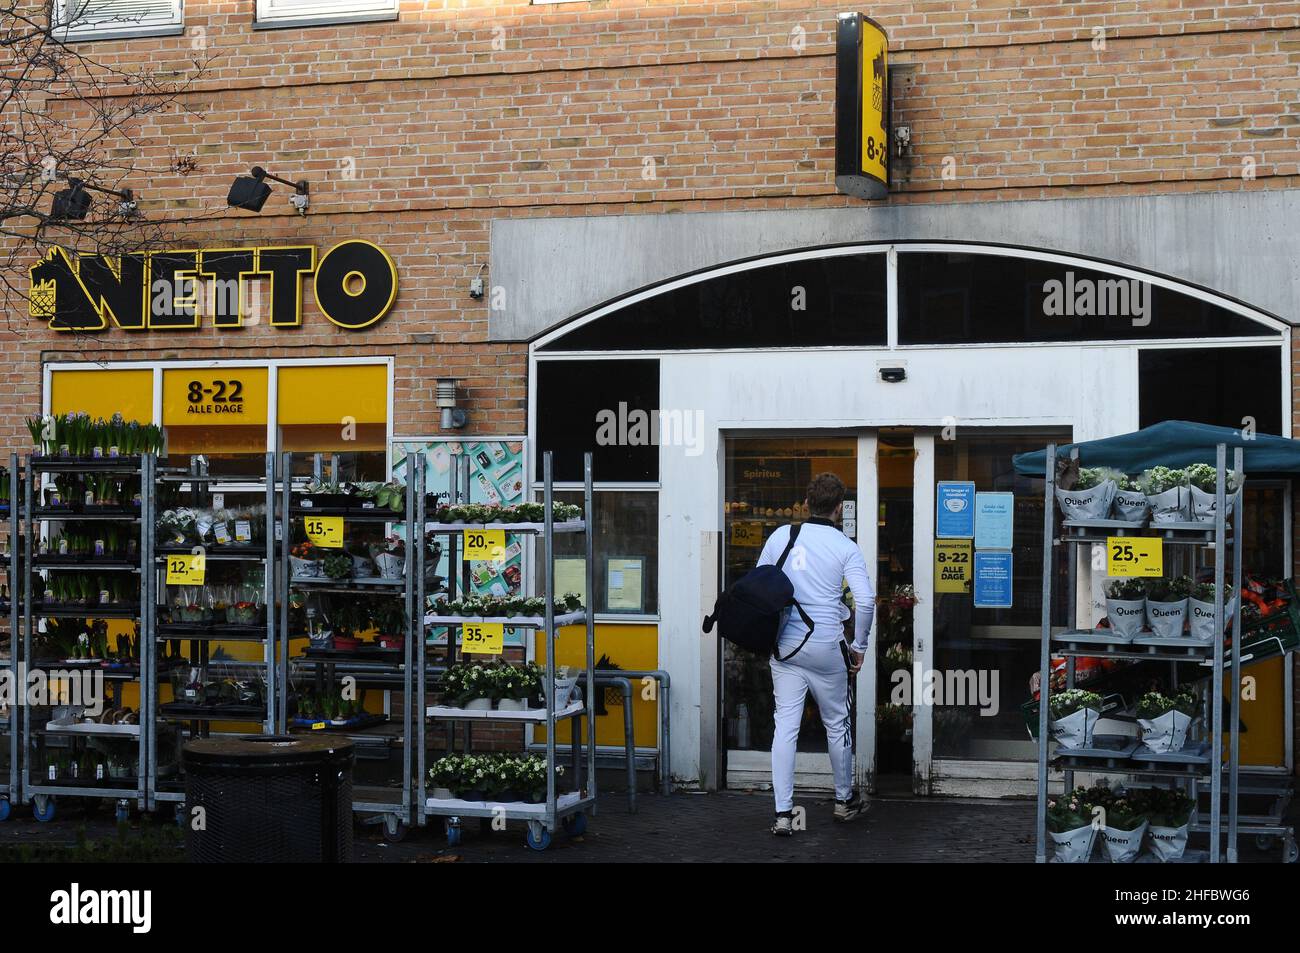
x=483, y=638
x=325, y=531
x=186, y=569
x=1134, y=556
x=746, y=533
x=318, y=726
x=488, y=545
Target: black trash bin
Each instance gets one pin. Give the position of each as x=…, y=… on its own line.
x=269, y=799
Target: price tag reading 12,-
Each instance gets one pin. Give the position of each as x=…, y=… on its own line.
x=485, y=544
x=1134, y=556
x=325, y=531
x=186, y=569
x=484, y=638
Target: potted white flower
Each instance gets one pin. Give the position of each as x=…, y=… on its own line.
x=1070, y=828
x=1203, y=481
x=1123, y=831
x=1126, y=607
x=1090, y=496
x=390, y=558
x=1167, y=493
x=1075, y=713
x=1169, y=814
x=1200, y=610
x=1130, y=504
x=1166, y=605
x=1164, y=720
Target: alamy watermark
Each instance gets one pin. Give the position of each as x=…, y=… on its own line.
x=48, y=687
x=1098, y=298
x=624, y=427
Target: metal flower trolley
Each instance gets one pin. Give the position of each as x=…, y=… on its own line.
x=10, y=656
x=90, y=573
x=1200, y=763
x=560, y=809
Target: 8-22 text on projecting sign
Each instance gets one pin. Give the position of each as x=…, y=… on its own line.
x=861, y=107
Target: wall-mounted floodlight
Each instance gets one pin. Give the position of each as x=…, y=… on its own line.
x=74, y=203
x=250, y=192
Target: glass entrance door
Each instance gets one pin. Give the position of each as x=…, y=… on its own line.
x=764, y=483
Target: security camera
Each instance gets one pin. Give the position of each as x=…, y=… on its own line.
x=299, y=201
x=893, y=375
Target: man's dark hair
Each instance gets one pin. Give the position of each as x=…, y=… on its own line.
x=825, y=492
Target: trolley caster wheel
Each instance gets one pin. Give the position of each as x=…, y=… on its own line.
x=1265, y=842
x=180, y=816
x=538, y=837
x=453, y=834
x=123, y=812
x=575, y=825
x=4, y=809
x=394, y=830
x=1290, y=852
x=43, y=808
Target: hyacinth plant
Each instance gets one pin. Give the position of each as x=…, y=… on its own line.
x=79, y=435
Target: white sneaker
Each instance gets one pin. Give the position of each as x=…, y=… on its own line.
x=784, y=826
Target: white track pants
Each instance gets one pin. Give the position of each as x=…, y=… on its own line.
x=819, y=667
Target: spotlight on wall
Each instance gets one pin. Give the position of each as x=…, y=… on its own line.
x=250, y=192
x=453, y=417
x=74, y=203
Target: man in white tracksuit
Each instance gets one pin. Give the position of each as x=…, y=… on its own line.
x=820, y=562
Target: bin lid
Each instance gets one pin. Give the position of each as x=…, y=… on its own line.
x=268, y=749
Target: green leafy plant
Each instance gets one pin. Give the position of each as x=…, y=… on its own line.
x=1173, y=589
x=1088, y=478
x=1159, y=479
x=1163, y=807
x=1128, y=589
x=1074, y=699
x=1205, y=477
x=1204, y=591
x=337, y=564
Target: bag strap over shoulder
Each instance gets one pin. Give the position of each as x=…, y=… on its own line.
x=803, y=616
x=794, y=534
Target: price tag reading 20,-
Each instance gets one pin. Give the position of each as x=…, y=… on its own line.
x=483, y=638
x=1134, y=556
x=325, y=531
x=186, y=569
x=488, y=545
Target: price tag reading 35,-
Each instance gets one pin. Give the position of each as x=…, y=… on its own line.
x=1134, y=556
x=325, y=531
x=186, y=569
x=484, y=638
x=485, y=544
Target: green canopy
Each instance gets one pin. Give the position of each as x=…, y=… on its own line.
x=1173, y=443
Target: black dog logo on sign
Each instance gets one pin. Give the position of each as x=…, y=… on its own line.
x=878, y=80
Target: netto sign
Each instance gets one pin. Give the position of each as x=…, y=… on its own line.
x=355, y=283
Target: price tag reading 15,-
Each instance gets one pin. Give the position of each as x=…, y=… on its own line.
x=1134, y=556
x=484, y=638
x=485, y=544
x=186, y=569
x=325, y=530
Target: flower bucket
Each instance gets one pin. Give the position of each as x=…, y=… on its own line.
x=1166, y=619
x=1167, y=733
x=321, y=640
x=1122, y=846
x=391, y=566
x=1073, y=847
x=1091, y=504
x=478, y=704
x=511, y=704
x=1203, y=504
x=564, y=685
x=362, y=567
x=1075, y=729
x=1168, y=843
x=1201, y=618
x=1126, y=617
x=305, y=568
x=441, y=794
x=1131, y=506
x=1171, y=506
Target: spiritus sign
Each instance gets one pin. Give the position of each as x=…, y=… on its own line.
x=355, y=285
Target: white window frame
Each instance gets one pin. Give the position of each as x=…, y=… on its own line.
x=173, y=25
x=323, y=12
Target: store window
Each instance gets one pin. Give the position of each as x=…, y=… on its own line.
x=766, y=480
x=962, y=297
x=1001, y=642
x=830, y=301
x=1223, y=386
x=106, y=19
x=339, y=412
x=608, y=407
x=290, y=12
x=626, y=548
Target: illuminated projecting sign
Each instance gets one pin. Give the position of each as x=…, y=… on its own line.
x=355, y=285
x=861, y=107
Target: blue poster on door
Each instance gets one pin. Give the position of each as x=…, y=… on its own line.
x=992, y=580
x=954, y=510
x=994, y=520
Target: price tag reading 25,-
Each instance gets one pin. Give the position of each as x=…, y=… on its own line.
x=483, y=638
x=325, y=531
x=186, y=569
x=488, y=545
x=1134, y=556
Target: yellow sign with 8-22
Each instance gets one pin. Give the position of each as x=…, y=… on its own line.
x=1134, y=556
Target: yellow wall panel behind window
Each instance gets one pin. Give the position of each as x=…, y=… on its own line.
x=331, y=394
x=103, y=393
